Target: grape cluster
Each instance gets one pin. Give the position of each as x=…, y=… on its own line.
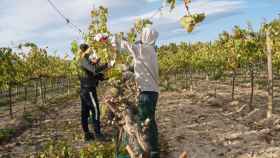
x=190, y=21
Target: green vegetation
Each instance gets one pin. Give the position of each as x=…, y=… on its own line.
x=61, y=149
x=242, y=51
x=6, y=134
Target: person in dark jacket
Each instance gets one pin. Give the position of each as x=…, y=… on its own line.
x=91, y=74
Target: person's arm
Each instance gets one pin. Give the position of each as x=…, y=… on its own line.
x=131, y=48
x=91, y=67
x=100, y=68
x=123, y=44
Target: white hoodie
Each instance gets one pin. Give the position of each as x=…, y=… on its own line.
x=145, y=60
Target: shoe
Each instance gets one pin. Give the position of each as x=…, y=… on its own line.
x=89, y=136
x=100, y=137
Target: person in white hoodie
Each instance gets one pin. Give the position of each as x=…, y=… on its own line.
x=146, y=71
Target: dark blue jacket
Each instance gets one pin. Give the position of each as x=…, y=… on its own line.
x=91, y=73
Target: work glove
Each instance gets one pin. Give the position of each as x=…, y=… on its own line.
x=93, y=56
x=116, y=42
x=111, y=63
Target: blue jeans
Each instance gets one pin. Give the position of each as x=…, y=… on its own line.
x=146, y=109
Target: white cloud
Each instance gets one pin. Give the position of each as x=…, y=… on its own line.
x=209, y=7
x=122, y=3
x=167, y=21
x=35, y=20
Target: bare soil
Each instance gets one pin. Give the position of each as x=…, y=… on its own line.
x=200, y=123
x=206, y=126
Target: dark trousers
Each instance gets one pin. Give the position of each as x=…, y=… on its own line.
x=90, y=104
x=146, y=109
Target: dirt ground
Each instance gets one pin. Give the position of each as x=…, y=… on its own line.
x=206, y=126
x=198, y=122
x=60, y=122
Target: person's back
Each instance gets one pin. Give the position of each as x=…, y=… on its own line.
x=87, y=78
x=145, y=60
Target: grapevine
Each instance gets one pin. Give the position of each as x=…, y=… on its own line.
x=122, y=90
x=240, y=52
x=189, y=21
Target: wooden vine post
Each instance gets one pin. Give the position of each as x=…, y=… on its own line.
x=36, y=90
x=68, y=85
x=25, y=98
x=10, y=100
x=252, y=77
x=270, y=74
x=41, y=90
x=233, y=84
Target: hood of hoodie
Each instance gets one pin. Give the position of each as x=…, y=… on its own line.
x=149, y=36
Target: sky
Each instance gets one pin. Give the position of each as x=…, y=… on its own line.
x=37, y=21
